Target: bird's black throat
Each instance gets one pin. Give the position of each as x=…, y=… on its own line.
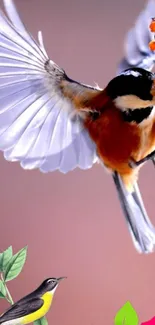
x=137, y=115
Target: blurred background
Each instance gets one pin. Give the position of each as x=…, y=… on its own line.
x=73, y=224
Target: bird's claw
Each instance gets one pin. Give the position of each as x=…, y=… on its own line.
x=133, y=164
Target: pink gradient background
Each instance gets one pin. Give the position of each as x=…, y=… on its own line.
x=73, y=223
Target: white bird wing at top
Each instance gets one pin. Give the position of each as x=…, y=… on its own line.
x=136, y=46
x=38, y=100
x=37, y=127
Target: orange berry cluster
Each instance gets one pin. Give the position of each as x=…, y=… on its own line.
x=152, y=29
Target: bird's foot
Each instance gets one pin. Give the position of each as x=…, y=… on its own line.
x=133, y=164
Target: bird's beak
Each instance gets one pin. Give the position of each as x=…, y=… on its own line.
x=61, y=278
x=153, y=88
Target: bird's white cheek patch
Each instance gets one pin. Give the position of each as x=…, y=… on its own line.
x=132, y=102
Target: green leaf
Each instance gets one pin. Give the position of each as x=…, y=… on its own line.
x=15, y=265
x=2, y=290
x=126, y=315
x=2, y=296
x=1, y=254
x=5, y=258
x=41, y=321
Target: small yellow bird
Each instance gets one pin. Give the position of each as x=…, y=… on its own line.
x=33, y=306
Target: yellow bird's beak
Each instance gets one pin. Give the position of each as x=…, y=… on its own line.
x=61, y=278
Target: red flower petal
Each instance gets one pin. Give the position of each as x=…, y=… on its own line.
x=149, y=322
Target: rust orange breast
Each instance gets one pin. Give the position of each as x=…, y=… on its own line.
x=117, y=141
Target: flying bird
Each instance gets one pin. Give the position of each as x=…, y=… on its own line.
x=33, y=306
x=52, y=122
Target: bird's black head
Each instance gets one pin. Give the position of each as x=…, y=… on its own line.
x=133, y=88
x=50, y=285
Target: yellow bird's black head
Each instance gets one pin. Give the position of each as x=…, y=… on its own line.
x=133, y=92
x=49, y=285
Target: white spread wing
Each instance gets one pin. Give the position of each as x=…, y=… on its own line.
x=37, y=127
x=137, y=52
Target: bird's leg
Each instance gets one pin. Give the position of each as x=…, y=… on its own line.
x=134, y=164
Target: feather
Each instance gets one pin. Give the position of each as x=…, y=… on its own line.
x=21, y=309
x=37, y=127
x=140, y=227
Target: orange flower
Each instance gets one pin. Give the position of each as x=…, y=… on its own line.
x=152, y=25
x=152, y=45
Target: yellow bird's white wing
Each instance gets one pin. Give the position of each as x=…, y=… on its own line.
x=40, y=124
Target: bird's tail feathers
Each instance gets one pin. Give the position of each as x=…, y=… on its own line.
x=141, y=228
